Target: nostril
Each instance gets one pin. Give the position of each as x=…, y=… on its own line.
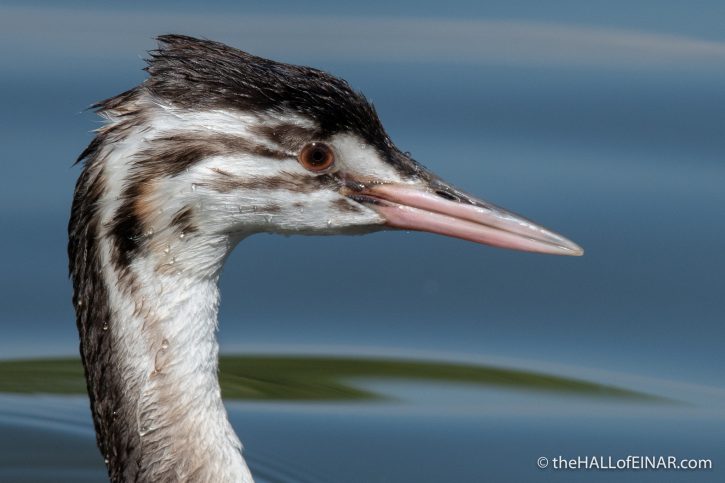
x=447, y=196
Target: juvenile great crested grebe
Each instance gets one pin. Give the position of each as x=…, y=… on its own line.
x=216, y=145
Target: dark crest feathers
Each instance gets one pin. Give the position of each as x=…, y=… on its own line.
x=203, y=74
x=198, y=73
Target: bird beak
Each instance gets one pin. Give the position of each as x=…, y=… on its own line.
x=440, y=208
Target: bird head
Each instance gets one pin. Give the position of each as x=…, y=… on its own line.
x=221, y=142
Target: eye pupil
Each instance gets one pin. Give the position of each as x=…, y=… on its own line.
x=316, y=156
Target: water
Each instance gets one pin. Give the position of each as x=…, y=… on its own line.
x=423, y=432
x=618, y=148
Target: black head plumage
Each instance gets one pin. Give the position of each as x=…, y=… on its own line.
x=196, y=73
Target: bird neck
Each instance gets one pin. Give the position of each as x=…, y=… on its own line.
x=151, y=363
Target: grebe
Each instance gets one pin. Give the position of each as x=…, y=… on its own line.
x=216, y=145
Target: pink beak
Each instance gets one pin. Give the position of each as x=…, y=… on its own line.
x=453, y=213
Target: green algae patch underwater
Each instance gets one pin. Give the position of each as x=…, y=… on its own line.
x=318, y=378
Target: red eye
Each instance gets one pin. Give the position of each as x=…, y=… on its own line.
x=316, y=156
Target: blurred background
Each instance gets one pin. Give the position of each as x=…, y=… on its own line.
x=604, y=121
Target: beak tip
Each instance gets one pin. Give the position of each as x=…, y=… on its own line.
x=573, y=250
